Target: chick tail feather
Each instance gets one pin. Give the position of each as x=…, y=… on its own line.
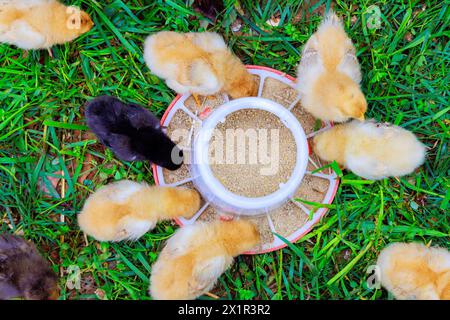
x=331, y=19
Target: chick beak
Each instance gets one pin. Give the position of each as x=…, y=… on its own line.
x=361, y=117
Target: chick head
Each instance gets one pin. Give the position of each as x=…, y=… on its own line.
x=244, y=86
x=157, y=147
x=340, y=97
x=240, y=236
x=86, y=22
x=330, y=145
x=39, y=284
x=78, y=22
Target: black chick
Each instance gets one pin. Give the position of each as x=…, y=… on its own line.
x=132, y=132
x=23, y=272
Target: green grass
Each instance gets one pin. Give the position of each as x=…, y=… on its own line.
x=43, y=139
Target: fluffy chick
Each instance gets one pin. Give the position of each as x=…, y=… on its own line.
x=198, y=63
x=132, y=132
x=414, y=271
x=23, y=272
x=40, y=24
x=126, y=210
x=329, y=74
x=371, y=150
x=196, y=256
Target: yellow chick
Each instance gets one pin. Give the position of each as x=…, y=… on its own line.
x=198, y=63
x=40, y=24
x=126, y=210
x=412, y=271
x=196, y=256
x=329, y=74
x=371, y=150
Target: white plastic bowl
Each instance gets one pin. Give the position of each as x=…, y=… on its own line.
x=211, y=188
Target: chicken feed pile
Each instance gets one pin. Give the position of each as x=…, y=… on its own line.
x=297, y=216
x=242, y=178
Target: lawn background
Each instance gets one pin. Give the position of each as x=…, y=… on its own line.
x=49, y=162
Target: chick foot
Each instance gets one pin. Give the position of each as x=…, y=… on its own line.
x=197, y=101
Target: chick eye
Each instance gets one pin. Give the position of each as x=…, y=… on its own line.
x=73, y=21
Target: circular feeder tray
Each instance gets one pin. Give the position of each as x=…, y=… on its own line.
x=295, y=218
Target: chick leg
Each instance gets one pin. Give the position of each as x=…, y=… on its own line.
x=212, y=295
x=50, y=52
x=197, y=100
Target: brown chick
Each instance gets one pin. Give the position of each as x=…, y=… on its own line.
x=198, y=63
x=412, y=271
x=23, y=272
x=40, y=24
x=126, y=210
x=371, y=150
x=196, y=256
x=329, y=74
